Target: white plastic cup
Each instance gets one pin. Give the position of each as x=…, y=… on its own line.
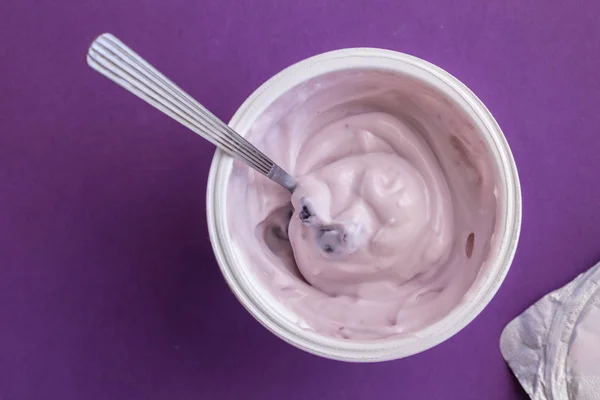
x=257, y=299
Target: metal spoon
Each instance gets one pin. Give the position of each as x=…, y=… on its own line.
x=113, y=59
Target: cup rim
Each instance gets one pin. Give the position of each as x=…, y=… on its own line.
x=509, y=218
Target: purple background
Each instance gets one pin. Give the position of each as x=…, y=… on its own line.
x=108, y=285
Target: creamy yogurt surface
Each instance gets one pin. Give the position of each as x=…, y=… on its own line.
x=395, y=207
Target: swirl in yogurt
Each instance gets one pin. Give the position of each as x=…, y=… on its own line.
x=393, y=213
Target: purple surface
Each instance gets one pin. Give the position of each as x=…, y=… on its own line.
x=108, y=285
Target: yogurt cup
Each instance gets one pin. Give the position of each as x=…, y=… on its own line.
x=274, y=316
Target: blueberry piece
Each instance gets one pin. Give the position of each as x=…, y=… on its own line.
x=305, y=214
x=329, y=238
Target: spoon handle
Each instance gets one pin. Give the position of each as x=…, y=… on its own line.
x=113, y=59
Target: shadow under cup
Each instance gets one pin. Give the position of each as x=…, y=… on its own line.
x=466, y=142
